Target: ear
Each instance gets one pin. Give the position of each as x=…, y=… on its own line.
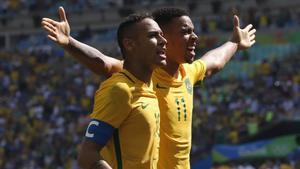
x=128, y=44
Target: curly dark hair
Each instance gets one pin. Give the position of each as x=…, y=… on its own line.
x=164, y=16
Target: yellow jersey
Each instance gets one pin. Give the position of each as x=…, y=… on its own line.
x=131, y=108
x=175, y=96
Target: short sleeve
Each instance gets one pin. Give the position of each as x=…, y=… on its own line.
x=196, y=70
x=112, y=105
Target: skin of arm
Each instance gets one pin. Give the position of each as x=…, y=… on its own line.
x=216, y=59
x=89, y=157
x=101, y=64
x=93, y=59
x=59, y=32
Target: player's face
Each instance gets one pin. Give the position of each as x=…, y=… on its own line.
x=150, y=43
x=181, y=40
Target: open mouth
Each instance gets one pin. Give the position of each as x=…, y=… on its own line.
x=162, y=53
x=191, y=49
x=191, y=53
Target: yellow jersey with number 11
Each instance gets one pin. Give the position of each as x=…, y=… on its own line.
x=175, y=96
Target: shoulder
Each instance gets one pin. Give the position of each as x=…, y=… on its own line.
x=197, y=66
x=115, y=87
x=195, y=70
x=117, y=80
x=195, y=63
x=120, y=89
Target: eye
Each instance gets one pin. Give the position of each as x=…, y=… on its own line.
x=184, y=31
x=152, y=34
x=187, y=31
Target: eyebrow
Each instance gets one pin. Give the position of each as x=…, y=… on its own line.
x=187, y=26
x=154, y=32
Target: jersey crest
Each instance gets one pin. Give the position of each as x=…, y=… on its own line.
x=188, y=86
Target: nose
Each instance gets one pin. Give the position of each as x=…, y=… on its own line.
x=163, y=40
x=194, y=36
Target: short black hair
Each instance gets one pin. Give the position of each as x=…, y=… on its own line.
x=126, y=26
x=164, y=16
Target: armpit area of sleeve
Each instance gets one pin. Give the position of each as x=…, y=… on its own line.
x=200, y=67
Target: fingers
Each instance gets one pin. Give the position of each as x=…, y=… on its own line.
x=248, y=27
x=252, y=31
x=236, y=21
x=62, y=14
x=48, y=26
x=52, y=38
x=252, y=37
x=45, y=23
x=252, y=42
x=49, y=21
x=49, y=30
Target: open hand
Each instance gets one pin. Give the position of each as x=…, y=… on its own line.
x=245, y=38
x=58, y=32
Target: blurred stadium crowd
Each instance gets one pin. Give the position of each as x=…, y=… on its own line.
x=46, y=96
x=233, y=108
x=215, y=18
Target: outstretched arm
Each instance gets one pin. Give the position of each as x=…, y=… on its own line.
x=216, y=59
x=59, y=32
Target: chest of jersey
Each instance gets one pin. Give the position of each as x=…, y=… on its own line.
x=176, y=104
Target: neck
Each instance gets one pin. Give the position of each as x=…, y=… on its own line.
x=139, y=71
x=172, y=68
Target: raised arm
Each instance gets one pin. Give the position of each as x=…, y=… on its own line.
x=216, y=59
x=59, y=32
x=89, y=156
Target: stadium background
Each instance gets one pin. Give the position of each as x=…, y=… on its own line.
x=246, y=116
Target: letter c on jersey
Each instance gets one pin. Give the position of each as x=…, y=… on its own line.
x=88, y=134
